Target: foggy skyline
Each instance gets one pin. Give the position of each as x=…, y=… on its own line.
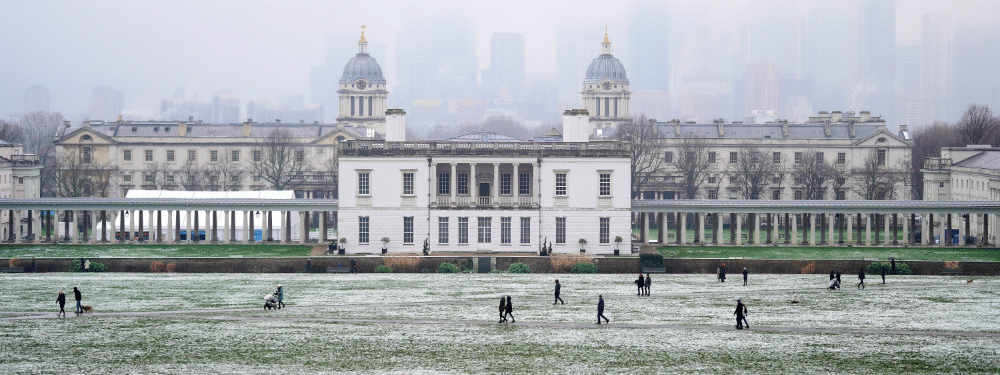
x=264, y=51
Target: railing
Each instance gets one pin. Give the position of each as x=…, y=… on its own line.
x=604, y=202
x=365, y=201
x=561, y=201
x=485, y=201
x=407, y=201
x=464, y=200
x=506, y=200
x=443, y=200
x=525, y=201
x=539, y=149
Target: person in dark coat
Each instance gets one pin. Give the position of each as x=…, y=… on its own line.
x=838, y=280
x=892, y=262
x=639, y=284
x=722, y=273
x=281, y=296
x=354, y=266
x=832, y=275
x=741, y=315
x=509, y=310
x=600, y=310
x=861, y=279
x=78, y=296
x=503, y=310
x=882, y=272
x=745, y=273
x=649, y=281
x=61, y=300
x=558, y=286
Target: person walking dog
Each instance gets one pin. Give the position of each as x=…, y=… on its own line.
x=78, y=296
x=741, y=315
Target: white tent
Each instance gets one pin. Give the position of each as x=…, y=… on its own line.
x=203, y=218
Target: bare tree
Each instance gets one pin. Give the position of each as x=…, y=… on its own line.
x=73, y=176
x=874, y=180
x=191, y=176
x=40, y=130
x=331, y=175
x=753, y=171
x=281, y=162
x=692, y=162
x=978, y=126
x=813, y=175
x=226, y=174
x=11, y=132
x=927, y=142
x=154, y=176
x=647, y=150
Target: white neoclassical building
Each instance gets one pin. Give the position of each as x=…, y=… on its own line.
x=500, y=197
x=970, y=173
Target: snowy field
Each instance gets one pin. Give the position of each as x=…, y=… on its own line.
x=446, y=323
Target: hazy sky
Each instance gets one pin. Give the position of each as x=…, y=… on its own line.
x=264, y=49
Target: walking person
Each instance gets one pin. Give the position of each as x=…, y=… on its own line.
x=838, y=280
x=640, y=283
x=861, y=278
x=741, y=315
x=600, y=310
x=722, y=273
x=78, y=296
x=354, y=266
x=61, y=300
x=882, y=272
x=745, y=273
x=649, y=281
x=281, y=296
x=558, y=286
x=503, y=310
x=509, y=310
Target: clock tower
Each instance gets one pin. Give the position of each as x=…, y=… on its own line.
x=362, y=91
x=605, y=92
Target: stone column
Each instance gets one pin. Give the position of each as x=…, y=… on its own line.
x=926, y=229
x=868, y=230
x=243, y=224
x=701, y=227
x=945, y=227
x=661, y=225
x=454, y=184
x=887, y=228
x=756, y=229
x=288, y=225
x=38, y=227
x=473, y=194
x=739, y=229
x=252, y=234
x=303, y=228
x=496, y=185
x=682, y=226
x=985, y=240
x=770, y=228
x=795, y=229
x=17, y=232
x=323, y=238
x=94, y=223
x=950, y=227
x=644, y=229
x=895, y=230
x=717, y=229
x=170, y=226
x=215, y=227
x=788, y=227
x=732, y=228
x=812, y=229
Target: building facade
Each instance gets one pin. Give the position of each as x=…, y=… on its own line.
x=116, y=157
x=970, y=173
x=842, y=142
x=20, y=177
x=506, y=197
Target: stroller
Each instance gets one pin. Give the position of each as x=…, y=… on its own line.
x=834, y=284
x=271, y=301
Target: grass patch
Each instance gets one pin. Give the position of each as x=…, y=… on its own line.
x=834, y=252
x=939, y=299
x=152, y=251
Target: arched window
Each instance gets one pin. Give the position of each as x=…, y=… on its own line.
x=86, y=137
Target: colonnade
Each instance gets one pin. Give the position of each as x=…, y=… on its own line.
x=818, y=228
x=160, y=226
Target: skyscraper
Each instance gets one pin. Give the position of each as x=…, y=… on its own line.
x=506, y=73
x=106, y=103
x=834, y=52
x=935, y=67
x=878, y=57
x=36, y=98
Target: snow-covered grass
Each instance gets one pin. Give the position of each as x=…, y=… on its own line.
x=155, y=343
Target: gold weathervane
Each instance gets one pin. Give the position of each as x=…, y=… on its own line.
x=605, y=34
x=363, y=34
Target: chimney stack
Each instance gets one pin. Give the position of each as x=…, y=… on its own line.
x=865, y=116
x=182, y=129
x=395, y=125
x=722, y=126
x=246, y=128
x=576, y=125
x=784, y=128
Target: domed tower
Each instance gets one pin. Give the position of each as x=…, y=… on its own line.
x=362, y=91
x=605, y=90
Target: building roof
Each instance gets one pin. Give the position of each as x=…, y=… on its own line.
x=362, y=66
x=483, y=137
x=168, y=194
x=606, y=67
x=769, y=130
x=814, y=206
x=989, y=160
x=170, y=129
